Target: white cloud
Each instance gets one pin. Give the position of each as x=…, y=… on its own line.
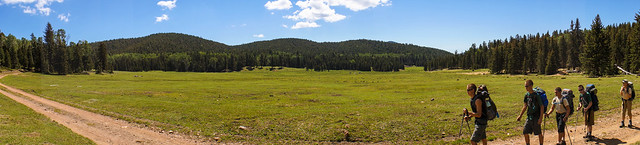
x=167, y=4
x=42, y=6
x=285, y=26
x=305, y=25
x=28, y=9
x=358, y=5
x=17, y=1
x=278, y=5
x=313, y=10
x=63, y=17
x=164, y=17
x=258, y=35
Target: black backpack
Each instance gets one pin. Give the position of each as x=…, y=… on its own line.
x=491, y=109
x=633, y=92
x=591, y=90
x=568, y=94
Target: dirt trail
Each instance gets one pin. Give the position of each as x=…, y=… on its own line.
x=99, y=128
x=606, y=130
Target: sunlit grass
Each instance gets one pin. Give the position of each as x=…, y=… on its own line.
x=305, y=106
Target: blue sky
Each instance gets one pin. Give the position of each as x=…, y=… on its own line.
x=446, y=24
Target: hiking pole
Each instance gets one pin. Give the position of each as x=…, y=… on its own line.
x=462, y=122
x=544, y=124
x=568, y=135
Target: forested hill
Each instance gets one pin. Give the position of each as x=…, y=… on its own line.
x=181, y=52
x=176, y=42
x=161, y=43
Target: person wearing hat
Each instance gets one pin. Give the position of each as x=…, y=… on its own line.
x=625, y=92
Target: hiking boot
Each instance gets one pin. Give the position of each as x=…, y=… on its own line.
x=563, y=143
x=622, y=124
x=630, y=125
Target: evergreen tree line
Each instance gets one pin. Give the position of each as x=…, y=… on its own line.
x=180, y=52
x=53, y=54
x=50, y=54
x=229, y=62
x=593, y=51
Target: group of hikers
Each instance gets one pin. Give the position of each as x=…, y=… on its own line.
x=535, y=103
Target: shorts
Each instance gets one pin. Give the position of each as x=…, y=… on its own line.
x=589, y=118
x=479, y=133
x=626, y=107
x=560, y=122
x=532, y=126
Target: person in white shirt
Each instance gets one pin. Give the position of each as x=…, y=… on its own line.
x=561, y=105
x=625, y=92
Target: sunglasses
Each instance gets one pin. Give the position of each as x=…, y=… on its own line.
x=469, y=90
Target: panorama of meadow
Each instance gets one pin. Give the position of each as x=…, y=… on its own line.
x=295, y=105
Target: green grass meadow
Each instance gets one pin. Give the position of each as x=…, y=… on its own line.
x=21, y=125
x=294, y=105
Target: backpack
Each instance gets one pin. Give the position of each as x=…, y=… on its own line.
x=568, y=94
x=633, y=91
x=491, y=109
x=543, y=97
x=591, y=89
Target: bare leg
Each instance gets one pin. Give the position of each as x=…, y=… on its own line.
x=541, y=139
x=623, y=110
x=484, y=141
x=526, y=138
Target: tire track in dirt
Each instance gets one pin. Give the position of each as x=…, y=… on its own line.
x=99, y=128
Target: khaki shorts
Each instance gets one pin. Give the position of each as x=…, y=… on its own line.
x=626, y=107
x=589, y=118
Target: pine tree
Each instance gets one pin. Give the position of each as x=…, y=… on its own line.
x=552, y=63
x=595, y=57
x=102, y=59
x=634, y=44
x=46, y=53
x=61, y=54
x=577, y=40
x=2, y=48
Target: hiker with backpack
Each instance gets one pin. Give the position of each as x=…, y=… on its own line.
x=561, y=105
x=628, y=94
x=478, y=109
x=535, y=113
x=587, y=107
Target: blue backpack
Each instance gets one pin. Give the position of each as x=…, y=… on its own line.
x=543, y=97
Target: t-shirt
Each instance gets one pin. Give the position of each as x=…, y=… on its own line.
x=585, y=99
x=533, y=105
x=626, y=93
x=560, y=108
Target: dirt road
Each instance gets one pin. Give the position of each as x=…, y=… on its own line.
x=606, y=130
x=99, y=128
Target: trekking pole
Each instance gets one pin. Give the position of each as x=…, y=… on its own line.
x=544, y=125
x=461, y=123
x=568, y=135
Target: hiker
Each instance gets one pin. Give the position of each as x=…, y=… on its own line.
x=585, y=107
x=625, y=92
x=477, y=110
x=561, y=105
x=535, y=113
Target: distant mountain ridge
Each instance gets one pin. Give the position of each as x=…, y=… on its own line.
x=177, y=42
